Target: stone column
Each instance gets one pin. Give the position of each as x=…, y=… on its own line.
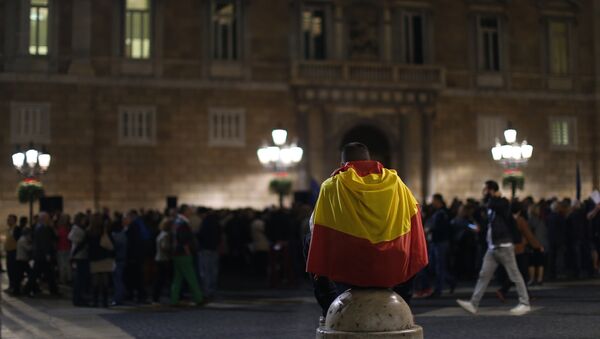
x=82, y=35
x=338, y=31
x=387, y=34
x=595, y=166
x=427, y=115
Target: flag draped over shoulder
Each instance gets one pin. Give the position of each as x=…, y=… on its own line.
x=367, y=228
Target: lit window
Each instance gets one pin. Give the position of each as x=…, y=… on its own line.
x=30, y=122
x=137, y=29
x=562, y=132
x=413, y=28
x=137, y=125
x=489, y=43
x=38, y=27
x=227, y=127
x=313, y=34
x=225, y=30
x=558, y=48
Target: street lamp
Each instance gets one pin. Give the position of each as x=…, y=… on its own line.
x=279, y=157
x=31, y=164
x=512, y=155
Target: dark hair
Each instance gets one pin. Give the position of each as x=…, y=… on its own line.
x=492, y=185
x=182, y=208
x=355, y=151
x=439, y=198
x=516, y=207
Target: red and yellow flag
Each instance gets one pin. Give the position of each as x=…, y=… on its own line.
x=367, y=228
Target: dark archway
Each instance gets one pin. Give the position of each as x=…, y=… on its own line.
x=375, y=140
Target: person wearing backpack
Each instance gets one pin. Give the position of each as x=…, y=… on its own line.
x=500, y=229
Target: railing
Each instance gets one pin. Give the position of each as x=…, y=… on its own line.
x=321, y=72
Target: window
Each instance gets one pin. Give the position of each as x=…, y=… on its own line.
x=558, y=47
x=137, y=125
x=225, y=30
x=413, y=28
x=38, y=27
x=489, y=43
x=30, y=122
x=137, y=29
x=489, y=129
x=313, y=34
x=227, y=127
x=562, y=132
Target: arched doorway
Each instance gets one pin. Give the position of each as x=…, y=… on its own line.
x=374, y=139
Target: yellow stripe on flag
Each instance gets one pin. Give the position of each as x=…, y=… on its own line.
x=375, y=207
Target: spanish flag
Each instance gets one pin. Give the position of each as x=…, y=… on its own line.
x=367, y=228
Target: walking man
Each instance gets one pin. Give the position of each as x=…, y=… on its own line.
x=500, y=230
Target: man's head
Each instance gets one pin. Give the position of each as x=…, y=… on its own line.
x=44, y=218
x=11, y=220
x=186, y=211
x=438, y=201
x=490, y=189
x=355, y=151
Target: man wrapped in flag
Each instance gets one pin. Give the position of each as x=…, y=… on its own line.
x=366, y=226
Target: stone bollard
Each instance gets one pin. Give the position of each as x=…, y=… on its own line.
x=369, y=313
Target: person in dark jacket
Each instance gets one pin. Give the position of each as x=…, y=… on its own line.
x=557, y=225
x=209, y=239
x=134, y=276
x=441, y=232
x=44, y=254
x=500, y=232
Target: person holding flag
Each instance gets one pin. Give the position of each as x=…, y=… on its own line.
x=366, y=227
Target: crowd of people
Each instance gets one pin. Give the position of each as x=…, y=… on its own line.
x=554, y=238
x=145, y=256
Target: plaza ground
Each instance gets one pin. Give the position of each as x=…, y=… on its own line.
x=560, y=310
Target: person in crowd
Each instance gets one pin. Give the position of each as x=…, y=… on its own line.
x=466, y=241
x=79, y=258
x=119, y=237
x=500, y=232
x=209, y=238
x=260, y=244
x=134, y=274
x=10, y=246
x=183, y=251
x=44, y=255
x=528, y=239
x=556, y=224
x=537, y=258
x=101, y=256
x=163, y=259
x=23, y=256
x=593, y=217
x=576, y=236
x=63, y=249
x=441, y=233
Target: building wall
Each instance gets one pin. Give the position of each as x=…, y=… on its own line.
x=90, y=169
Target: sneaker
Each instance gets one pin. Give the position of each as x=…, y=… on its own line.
x=467, y=306
x=520, y=309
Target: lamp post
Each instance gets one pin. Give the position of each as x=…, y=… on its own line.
x=279, y=157
x=31, y=164
x=512, y=155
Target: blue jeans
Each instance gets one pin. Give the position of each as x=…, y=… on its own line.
x=209, y=271
x=117, y=277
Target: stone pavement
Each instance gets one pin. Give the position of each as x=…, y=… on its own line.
x=561, y=310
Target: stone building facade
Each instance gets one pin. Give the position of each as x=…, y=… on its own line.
x=138, y=100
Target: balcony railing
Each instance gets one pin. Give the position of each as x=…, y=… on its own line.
x=337, y=72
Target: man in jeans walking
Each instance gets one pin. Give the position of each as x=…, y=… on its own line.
x=500, y=233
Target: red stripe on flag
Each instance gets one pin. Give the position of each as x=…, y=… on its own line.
x=344, y=258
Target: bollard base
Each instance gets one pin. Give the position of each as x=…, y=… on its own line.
x=416, y=332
